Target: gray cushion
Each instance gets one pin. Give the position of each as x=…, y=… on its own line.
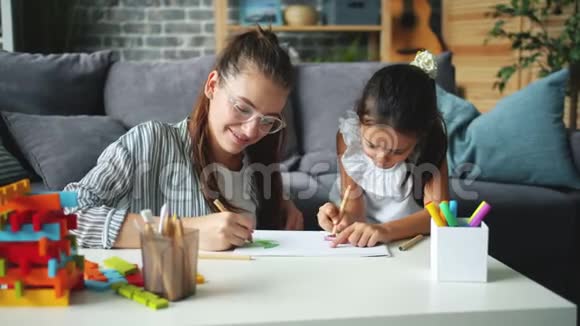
x=55, y=84
x=142, y=91
x=162, y=91
x=10, y=168
x=326, y=91
x=62, y=149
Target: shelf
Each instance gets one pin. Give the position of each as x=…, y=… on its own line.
x=379, y=35
x=314, y=28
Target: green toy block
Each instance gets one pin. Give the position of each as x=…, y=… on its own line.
x=158, y=304
x=80, y=262
x=149, y=295
x=18, y=289
x=120, y=265
x=126, y=292
x=73, y=241
x=2, y=267
x=115, y=286
x=139, y=298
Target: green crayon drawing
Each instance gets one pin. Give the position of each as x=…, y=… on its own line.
x=261, y=243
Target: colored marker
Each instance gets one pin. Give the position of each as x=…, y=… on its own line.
x=479, y=214
x=434, y=213
x=451, y=220
x=476, y=211
x=453, y=207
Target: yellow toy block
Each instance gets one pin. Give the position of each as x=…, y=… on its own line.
x=33, y=297
x=199, y=279
x=14, y=190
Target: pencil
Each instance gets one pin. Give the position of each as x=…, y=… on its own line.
x=342, y=205
x=224, y=257
x=222, y=209
x=219, y=205
x=408, y=244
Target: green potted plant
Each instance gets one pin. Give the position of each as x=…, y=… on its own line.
x=536, y=46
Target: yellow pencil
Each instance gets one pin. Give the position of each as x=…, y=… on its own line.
x=222, y=209
x=342, y=206
x=219, y=205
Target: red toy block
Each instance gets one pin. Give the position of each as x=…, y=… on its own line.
x=80, y=283
x=39, y=217
x=135, y=279
x=24, y=266
x=32, y=251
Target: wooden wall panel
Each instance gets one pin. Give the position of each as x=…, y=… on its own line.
x=465, y=28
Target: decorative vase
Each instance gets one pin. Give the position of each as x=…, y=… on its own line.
x=296, y=15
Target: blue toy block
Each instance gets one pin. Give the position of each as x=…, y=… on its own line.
x=52, y=267
x=68, y=199
x=110, y=273
x=64, y=259
x=117, y=280
x=97, y=286
x=27, y=233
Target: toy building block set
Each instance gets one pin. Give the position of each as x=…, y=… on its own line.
x=39, y=263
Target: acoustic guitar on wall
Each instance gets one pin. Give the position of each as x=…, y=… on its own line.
x=411, y=31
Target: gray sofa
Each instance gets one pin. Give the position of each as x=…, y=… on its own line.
x=533, y=229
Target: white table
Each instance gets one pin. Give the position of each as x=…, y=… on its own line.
x=321, y=291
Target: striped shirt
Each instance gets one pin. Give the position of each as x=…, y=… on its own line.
x=148, y=166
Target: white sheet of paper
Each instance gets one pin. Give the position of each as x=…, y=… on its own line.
x=307, y=244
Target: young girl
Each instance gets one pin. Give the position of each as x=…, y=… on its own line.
x=391, y=154
x=227, y=150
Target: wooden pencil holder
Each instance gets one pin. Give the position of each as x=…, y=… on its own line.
x=170, y=264
x=459, y=254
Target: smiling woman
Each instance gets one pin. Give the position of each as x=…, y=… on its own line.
x=228, y=149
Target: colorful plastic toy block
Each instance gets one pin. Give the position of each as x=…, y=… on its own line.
x=141, y=296
x=120, y=265
x=34, y=202
x=14, y=190
x=35, y=297
x=38, y=261
x=97, y=286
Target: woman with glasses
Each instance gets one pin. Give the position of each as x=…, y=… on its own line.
x=227, y=150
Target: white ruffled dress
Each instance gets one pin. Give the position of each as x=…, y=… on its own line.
x=386, y=197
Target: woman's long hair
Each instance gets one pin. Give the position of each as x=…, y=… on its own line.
x=257, y=49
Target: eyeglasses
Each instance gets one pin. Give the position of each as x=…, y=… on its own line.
x=244, y=113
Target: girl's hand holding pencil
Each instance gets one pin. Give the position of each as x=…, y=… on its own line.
x=329, y=218
x=329, y=214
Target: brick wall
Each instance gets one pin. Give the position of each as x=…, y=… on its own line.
x=160, y=30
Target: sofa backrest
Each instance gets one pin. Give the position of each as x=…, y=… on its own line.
x=166, y=91
x=136, y=92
